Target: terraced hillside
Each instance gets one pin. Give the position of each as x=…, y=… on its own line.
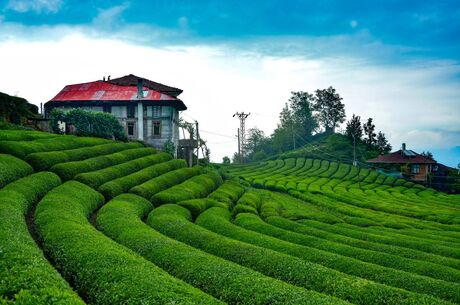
x=92, y=221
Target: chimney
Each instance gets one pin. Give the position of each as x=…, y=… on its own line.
x=140, y=92
x=403, y=146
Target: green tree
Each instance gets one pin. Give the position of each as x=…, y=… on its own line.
x=369, y=131
x=330, y=109
x=301, y=105
x=354, y=128
x=428, y=155
x=381, y=144
x=225, y=160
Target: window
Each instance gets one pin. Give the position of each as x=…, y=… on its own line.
x=156, y=130
x=415, y=168
x=130, y=127
x=107, y=109
x=131, y=110
x=156, y=111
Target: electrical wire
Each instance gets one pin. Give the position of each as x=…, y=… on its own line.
x=217, y=134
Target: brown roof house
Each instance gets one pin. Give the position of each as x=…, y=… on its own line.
x=412, y=165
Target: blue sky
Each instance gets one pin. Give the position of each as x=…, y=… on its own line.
x=396, y=61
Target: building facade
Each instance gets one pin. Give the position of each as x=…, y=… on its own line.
x=412, y=165
x=148, y=111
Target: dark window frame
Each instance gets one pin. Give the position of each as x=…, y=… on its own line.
x=133, y=125
x=130, y=112
x=156, y=125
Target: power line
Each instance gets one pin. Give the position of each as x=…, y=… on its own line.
x=218, y=134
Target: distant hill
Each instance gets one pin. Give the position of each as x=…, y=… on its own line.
x=335, y=147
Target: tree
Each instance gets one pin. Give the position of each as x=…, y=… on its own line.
x=369, y=129
x=330, y=109
x=382, y=145
x=301, y=104
x=354, y=128
x=225, y=160
x=254, y=140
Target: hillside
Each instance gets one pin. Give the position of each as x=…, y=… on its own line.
x=93, y=221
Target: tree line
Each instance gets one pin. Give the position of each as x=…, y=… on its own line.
x=305, y=116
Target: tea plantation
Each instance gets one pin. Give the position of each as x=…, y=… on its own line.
x=93, y=221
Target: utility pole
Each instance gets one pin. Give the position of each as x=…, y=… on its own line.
x=242, y=135
x=239, y=150
x=197, y=144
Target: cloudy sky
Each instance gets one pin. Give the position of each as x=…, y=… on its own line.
x=396, y=61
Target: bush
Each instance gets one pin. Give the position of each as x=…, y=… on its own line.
x=198, y=206
x=24, y=135
x=160, y=183
x=22, y=149
x=69, y=170
x=124, y=184
x=229, y=192
x=45, y=160
x=121, y=219
x=195, y=187
x=27, y=276
x=12, y=168
x=102, y=270
x=96, y=178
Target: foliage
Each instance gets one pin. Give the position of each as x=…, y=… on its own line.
x=369, y=131
x=169, y=147
x=354, y=129
x=381, y=144
x=226, y=160
x=12, y=168
x=330, y=110
x=16, y=110
x=101, y=269
x=89, y=123
x=27, y=276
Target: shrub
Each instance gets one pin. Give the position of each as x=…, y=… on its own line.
x=45, y=160
x=27, y=276
x=124, y=184
x=12, y=168
x=195, y=187
x=69, y=170
x=101, y=269
x=96, y=178
x=121, y=219
x=229, y=192
x=24, y=135
x=22, y=149
x=167, y=180
x=198, y=206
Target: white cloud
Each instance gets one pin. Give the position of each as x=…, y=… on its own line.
x=353, y=23
x=413, y=103
x=107, y=18
x=37, y=6
x=182, y=22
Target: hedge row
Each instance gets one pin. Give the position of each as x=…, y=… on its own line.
x=229, y=192
x=102, y=271
x=196, y=187
x=281, y=266
x=387, y=276
x=123, y=184
x=160, y=183
x=12, y=168
x=69, y=170
x=22, y=149
x=327, y=256
x=24, y=135
x=45, y=160
x=333, y=233
x=198, y=206
x=96, y=178
x=26, y=275
x=121, y=220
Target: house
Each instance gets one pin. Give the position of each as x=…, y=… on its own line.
x=412, y=165
x=149, y=111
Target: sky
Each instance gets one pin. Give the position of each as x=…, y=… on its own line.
x=395, y=61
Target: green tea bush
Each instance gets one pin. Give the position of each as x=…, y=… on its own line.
x=229, y=192
x=167, y=180
x=24, y=135
x=12, y=168
x=196, y=187
x=96, y=178
x=121, y=219
x=124, y=184
x=69, y=170
x=278, y=265
x=45, y=160
x=21, y=149
x=101, y=269
x=198, y=206
x=26, y=275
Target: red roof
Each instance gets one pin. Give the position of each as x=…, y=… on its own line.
x=104, y=91
x=402, y=156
